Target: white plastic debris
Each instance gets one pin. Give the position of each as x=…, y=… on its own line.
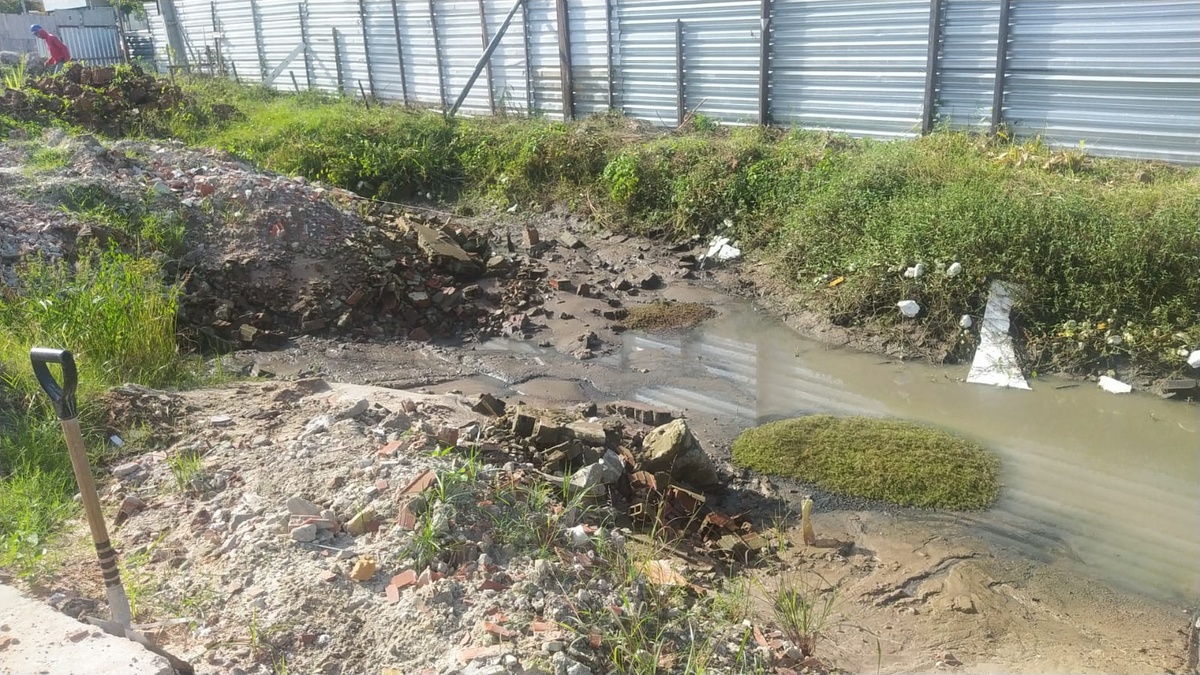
x=914, y=271
x=1194, y=359
x=721, y=249
x=954, y=269
x=1114, y=386
x=965, y=322
x=909, y=308
x=995, y=360
x=578, y=536
x=117, y=441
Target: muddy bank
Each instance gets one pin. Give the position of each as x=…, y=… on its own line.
x=291, y=540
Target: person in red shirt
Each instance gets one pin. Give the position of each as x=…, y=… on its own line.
x=59, y=54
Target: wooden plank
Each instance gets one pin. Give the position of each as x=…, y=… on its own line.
x=483, y=29
x=400, y=52
x=437, y=52
x=764, y=64
x=362, y=20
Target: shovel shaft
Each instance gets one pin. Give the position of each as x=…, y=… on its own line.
x=117, y=600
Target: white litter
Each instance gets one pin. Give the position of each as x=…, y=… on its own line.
x=954, y=269
x=1194, y=359
x=722, y=249
x=995, y=361
x=965, y=321
x=909, y=308
x=914, y=271
x=117, y=441
x=578, y=536
x=1114, y=386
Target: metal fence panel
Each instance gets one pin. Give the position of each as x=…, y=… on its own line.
x=543, y=56
x=852, y=66
x=420, y=54
x=90, y=34
x=384, y=49
x=967, y=63
x=95, y=45
x=588, y=20
x=460, y=34
x=279, y=22
x=509, y=68
x=199, y=35
x=235, y=33
x=646, y=29
x=720, y=59
x=1120, y=76
x=323, y=18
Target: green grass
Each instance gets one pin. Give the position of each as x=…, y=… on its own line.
x=889, y=460
x=48, y=159
x=114, y=312
x=1102, y=251
x=154, y=223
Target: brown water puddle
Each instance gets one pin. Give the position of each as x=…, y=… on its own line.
x=1108, y=481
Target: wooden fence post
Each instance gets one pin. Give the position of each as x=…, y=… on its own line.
x=362, y=19
x=483, y=27
x=528, y=59
x=258, y=39
x=400, y=52
x=680, y=96
x=764, y=64
x=337, y=60
x=931, y=65
x=308, y=65
x=564, y=59
x=437, y=52
x=1001, y=64
x=608, y=43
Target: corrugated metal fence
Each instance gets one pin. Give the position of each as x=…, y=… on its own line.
x=90, y=34
x=1122, y=77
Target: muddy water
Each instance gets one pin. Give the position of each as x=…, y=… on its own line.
x=1109, y=482
x=1112, y=482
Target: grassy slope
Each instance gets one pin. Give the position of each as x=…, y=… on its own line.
x=890, y=460
x=1103, y=251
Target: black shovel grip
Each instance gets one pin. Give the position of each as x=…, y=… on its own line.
x=62, y=395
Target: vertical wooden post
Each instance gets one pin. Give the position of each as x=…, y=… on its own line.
x=764, y=64
x=608, y=43
x=437, y=52
x=1001, y=63
x=400, y=52
x=528, y=58
x=362, y=19
x=680, y=97
x=217, y=34
x=931, y=65
x=483, y=28
x=564, y=59
x=337, y=60
x=258, y=39
x=308, y=65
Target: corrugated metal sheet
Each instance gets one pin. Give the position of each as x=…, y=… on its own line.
x=589, y=55
x=1121, y=76
x=857, y=67
x=543, y=55
x=199, y=34
x=384, y=50
x=95, y=45
x=235, y=32
x=460, y=35
x=967, y=61
x=509, y=75
x=646, y=29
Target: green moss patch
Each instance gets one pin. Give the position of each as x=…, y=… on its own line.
x=668, y=315
x=889, y=460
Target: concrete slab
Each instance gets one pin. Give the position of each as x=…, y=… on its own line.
x=36, y=639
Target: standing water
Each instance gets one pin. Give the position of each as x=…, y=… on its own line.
x=1112, y=481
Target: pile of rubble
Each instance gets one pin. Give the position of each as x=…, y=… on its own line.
x=109, y=99
x=340, y=528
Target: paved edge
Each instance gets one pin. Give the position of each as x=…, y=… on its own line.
x=35, y=638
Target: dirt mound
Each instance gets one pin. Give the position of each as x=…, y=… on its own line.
x=108, y=99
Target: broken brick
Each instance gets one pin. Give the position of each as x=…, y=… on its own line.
x=563, y=285
x=489, y=585
x=542, y=626
x=499, y=631
x=389, y=449
x=468, y=655
x=393, y=594
x=419, y=484
x=404, y=579
x=419, y=334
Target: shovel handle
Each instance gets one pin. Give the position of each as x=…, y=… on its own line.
x=62, y=395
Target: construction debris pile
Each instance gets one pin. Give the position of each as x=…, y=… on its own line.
x=111, y=100
x=346, y=529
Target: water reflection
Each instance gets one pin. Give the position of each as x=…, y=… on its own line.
x=1113, y=481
